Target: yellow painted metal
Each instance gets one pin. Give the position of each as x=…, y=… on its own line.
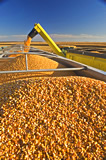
x=99, y=63
x=48, y=39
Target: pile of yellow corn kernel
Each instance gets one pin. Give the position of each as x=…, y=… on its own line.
x=53, y=118
x=34, y=62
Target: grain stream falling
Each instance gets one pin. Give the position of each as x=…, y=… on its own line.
x=53, y=119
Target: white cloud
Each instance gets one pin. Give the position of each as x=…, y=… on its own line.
x=17, y=38
x=57, y=37
x=3, y=37
x=84, y=37
x=12, y=37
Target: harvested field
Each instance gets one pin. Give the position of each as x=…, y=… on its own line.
x=53, y=118
x=45, y=46
x=34, y=62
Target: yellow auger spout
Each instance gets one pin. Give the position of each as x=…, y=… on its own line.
x=38, y=29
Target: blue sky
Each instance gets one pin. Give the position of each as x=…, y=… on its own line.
x=64, y=20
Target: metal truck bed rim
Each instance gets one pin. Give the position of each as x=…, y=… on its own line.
x=79, y=68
